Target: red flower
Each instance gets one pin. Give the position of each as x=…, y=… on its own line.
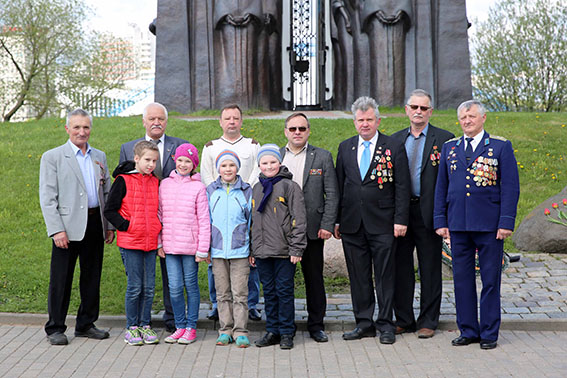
x=546, y=211
x=554, y=205
x=564, y=201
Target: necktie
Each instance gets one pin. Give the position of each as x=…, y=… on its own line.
x=469, y=150
x=413, y=164
x=365, y=159
x=159, y=169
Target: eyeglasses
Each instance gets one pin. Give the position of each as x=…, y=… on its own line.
x=423, y=108
x=294, y=129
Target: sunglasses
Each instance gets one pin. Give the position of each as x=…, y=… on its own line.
x=423, y=108
x=294, y=129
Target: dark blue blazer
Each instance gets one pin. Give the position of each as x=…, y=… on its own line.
x=481, y=195
x=169, y=146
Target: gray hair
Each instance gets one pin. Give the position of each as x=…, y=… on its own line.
x=145, y=113
x=363, y=104
x=79, y=112
x=420, y=93
x=469, y=104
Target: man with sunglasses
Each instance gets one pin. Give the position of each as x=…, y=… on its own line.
x=314, y=172
x=423, y=143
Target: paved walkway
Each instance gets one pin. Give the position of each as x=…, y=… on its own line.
x=533, y=342
x=24, y=352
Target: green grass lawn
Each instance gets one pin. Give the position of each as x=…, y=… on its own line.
x=539, y=141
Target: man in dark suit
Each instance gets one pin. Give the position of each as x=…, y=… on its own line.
x=475, y=202
x=155, y=121
x=423, y=143
x=314, y=172
x=73, y=186
x=374, y=187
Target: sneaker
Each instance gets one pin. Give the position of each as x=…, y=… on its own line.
x=149, y=335
x=242, y=342
x=224, y=339
x=132, y=336
x=190, y=336
x=174, y=338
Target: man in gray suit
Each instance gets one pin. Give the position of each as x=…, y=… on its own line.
x=314, y=172
x=73, y=185
x=155, y=122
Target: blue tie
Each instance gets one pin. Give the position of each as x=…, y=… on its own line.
x=469, y=151
x=365, y=159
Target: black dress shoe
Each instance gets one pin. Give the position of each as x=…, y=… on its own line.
x=93, y=333
x=57, y=338
x=268, y=339
x=358, y=333
x=319, y=336
x=387, y=337
x=213, y=314
x=461, y=341
x=486, y=344
x=254, y=314
x=286, y=342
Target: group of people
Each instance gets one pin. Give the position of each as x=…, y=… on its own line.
x=253, y=212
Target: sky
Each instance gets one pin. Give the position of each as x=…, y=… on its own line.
x=115, y=15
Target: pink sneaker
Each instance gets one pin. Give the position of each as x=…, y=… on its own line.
x=190, y=336
x=174, y=338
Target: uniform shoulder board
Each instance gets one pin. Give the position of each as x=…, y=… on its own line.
x=254, y=141
x=498, y=138
x=453, y=140
x=209, y=143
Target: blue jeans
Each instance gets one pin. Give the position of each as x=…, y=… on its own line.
x=253, y=287
x=141, y=268
x=277, y=275
x=182, y=271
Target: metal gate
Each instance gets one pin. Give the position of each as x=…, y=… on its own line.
x=306, y=53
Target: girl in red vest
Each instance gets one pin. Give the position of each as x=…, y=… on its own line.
x=132, y=208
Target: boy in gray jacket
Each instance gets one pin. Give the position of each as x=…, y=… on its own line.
x=278, y=241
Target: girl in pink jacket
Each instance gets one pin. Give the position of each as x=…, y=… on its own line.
x=184, y=239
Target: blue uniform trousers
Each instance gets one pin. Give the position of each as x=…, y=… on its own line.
x=490, y=251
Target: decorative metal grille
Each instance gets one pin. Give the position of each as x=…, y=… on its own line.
x=305, y=47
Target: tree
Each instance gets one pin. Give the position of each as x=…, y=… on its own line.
x=48, y=55
x=519, y=62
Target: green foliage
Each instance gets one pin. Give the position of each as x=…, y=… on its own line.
x=25, y=249
x=48, y=57
x=520, y=62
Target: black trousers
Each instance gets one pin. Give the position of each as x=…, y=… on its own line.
x=90, y=252
x=365, y=253
x=312, y=268
x=428, y=245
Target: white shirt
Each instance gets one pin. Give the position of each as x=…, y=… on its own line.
x=372, y=147
x=247, y=153
x=476, y=140
x=295, y=162
x=160, y=146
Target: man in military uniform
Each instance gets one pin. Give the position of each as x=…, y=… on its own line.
x=475, y=202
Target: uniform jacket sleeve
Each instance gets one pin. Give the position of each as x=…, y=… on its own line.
x=509, y=187
x=440, y=206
